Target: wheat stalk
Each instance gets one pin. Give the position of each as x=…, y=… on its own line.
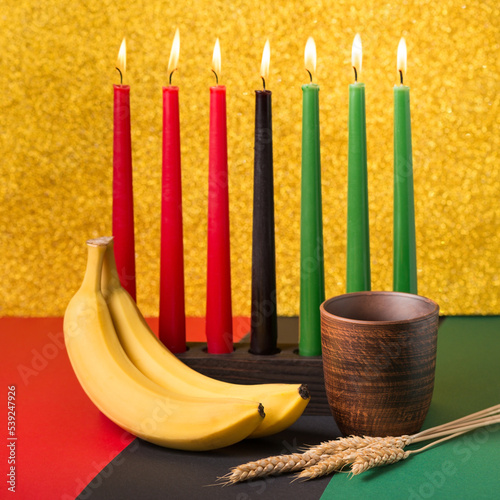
x=359, y=452
x=488, y=412
x=281, y=464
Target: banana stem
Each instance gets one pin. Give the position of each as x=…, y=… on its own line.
x=96, y=250
x=110, y=278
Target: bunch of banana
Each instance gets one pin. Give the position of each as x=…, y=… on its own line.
x=136, y=382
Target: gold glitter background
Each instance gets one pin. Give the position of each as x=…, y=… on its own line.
x=57, y=62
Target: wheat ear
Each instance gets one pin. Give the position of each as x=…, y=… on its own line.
x=328, y=464
x=278, y=464
x=350, y=442
x=377, y=456
x=381, y=451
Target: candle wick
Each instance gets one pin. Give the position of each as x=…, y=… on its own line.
x=121, y=76
x=310, y=75
x=401, y=76
x=355, y=74
x=216, y=77
x=263, y=82
x=170, y=77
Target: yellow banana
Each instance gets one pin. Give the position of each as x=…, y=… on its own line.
x=129, y=398
x=284, y=403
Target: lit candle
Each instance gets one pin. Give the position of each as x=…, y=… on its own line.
x=219, y=329
x=405, y=255
x=358, y=234
x=264, y=330
x=312, y=286
x=123, y=203
x=172, y=321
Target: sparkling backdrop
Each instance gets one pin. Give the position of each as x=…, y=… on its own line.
x=57, y=63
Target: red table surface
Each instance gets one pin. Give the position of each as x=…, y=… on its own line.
x=62, y=440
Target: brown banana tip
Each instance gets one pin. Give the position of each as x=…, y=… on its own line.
x=102, y=241
x=304, y=392
x=261, y=410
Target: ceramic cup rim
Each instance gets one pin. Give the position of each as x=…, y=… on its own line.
x=414, y=319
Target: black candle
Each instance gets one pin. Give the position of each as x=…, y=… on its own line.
x=264, y=330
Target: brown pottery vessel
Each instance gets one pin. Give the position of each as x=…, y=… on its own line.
x=379, y=359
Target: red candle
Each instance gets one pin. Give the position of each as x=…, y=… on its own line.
x=172, y=320
x=123, y=204
x=219, y=327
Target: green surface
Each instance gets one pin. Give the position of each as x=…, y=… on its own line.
x=467, y=467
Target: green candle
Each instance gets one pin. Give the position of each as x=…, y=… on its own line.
x=312, y=281
x=358, y=233
x=405, y=255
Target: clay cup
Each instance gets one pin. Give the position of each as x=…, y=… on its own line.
x=379, y=359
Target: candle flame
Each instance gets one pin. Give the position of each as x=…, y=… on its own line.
x=266, y=57
x=402, y=58
x=121, y=62
x=310, y=56
x=174, y=52
x=357, y=55
x=216, y=59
